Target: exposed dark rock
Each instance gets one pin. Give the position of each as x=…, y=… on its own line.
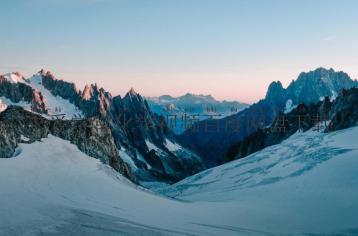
x=131, y=123
x=311, y=86
x=18, y=92
x=276, y=92
x=325, y=115
x=302, y=118
x=344, y=113
x=91, y=136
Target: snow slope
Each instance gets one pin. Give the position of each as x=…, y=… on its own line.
x=5, y=102
x=307, y=184
x=51, y=187
x=55, y=104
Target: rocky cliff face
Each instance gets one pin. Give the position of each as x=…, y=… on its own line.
x=344, y=112
x=90, y=135
x=276, y=94
x=325, y=115
x=142, y=123
x=310, y=87
x=93, y=101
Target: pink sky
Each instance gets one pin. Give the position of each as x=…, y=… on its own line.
x=241, y=85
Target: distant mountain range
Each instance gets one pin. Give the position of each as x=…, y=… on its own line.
x=201, y=106
x=310, y=87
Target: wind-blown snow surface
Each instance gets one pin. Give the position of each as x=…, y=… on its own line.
x=307, y=184
x=51, y=187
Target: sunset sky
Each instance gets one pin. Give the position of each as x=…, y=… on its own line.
x=229, y=49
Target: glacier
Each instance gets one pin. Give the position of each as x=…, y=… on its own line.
x=305, y=185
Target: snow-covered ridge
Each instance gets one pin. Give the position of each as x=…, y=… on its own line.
x=5, y=102
x=14, y=77
x=56, y=105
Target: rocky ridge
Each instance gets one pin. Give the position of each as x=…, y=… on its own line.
x=309, y=88
x=90, y=135
x=325, y=115
x=138, y=134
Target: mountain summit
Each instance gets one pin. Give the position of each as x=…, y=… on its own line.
x=311, y=86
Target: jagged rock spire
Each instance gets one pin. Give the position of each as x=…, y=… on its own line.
x=132, y=92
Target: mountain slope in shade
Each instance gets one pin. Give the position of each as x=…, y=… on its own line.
x=306, y=184
x=325, y=115
x=205, y=106
x=311, y=87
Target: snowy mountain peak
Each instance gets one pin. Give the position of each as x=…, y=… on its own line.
x=14, y=77
x=311, y=86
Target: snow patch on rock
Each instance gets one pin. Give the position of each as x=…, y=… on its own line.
x=289, y=106
x=14, y=77
x=172, y=146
